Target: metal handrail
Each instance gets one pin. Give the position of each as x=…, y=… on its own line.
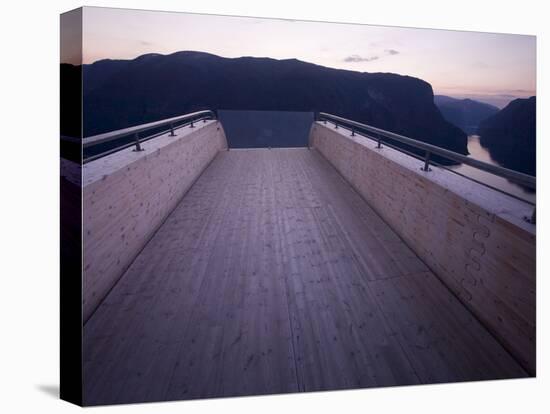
x=518, y=177
x=429, y=150
x=139, y=129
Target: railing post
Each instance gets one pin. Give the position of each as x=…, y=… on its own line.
x=335, y=125
x=172, y=130
x=138, y=144
x=325, y=121
x=378, y=144
x=192, y=126
x=352, y=132
x=426, y=162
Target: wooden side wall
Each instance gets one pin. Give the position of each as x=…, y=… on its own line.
x=474, y=238
x=127, y=196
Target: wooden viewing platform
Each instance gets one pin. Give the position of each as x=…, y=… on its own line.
x=274, y=275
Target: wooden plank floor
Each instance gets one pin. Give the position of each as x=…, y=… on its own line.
x=273, y=275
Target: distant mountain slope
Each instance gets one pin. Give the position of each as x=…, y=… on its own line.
x=150, y=87
x=100, y=72
x=510, y=135
x=464, y=113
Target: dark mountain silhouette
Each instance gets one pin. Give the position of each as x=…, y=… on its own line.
x=100, y=72
x=119, y=93
x=510, y=135
x=261, y=129
x=464, y=113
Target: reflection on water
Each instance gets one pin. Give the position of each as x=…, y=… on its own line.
x=482, y=154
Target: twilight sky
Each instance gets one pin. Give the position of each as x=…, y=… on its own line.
x=494, y=68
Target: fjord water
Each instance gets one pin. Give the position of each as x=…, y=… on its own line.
x=479, y=152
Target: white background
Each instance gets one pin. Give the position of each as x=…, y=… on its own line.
x=29, y=193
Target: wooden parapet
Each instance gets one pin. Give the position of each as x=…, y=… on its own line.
x=472, y=237
x=127, y=195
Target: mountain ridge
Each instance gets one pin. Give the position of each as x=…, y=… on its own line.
x=510, y=135
x=466, y=114
x=120, y=93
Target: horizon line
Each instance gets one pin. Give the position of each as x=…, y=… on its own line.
x=492, y=96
